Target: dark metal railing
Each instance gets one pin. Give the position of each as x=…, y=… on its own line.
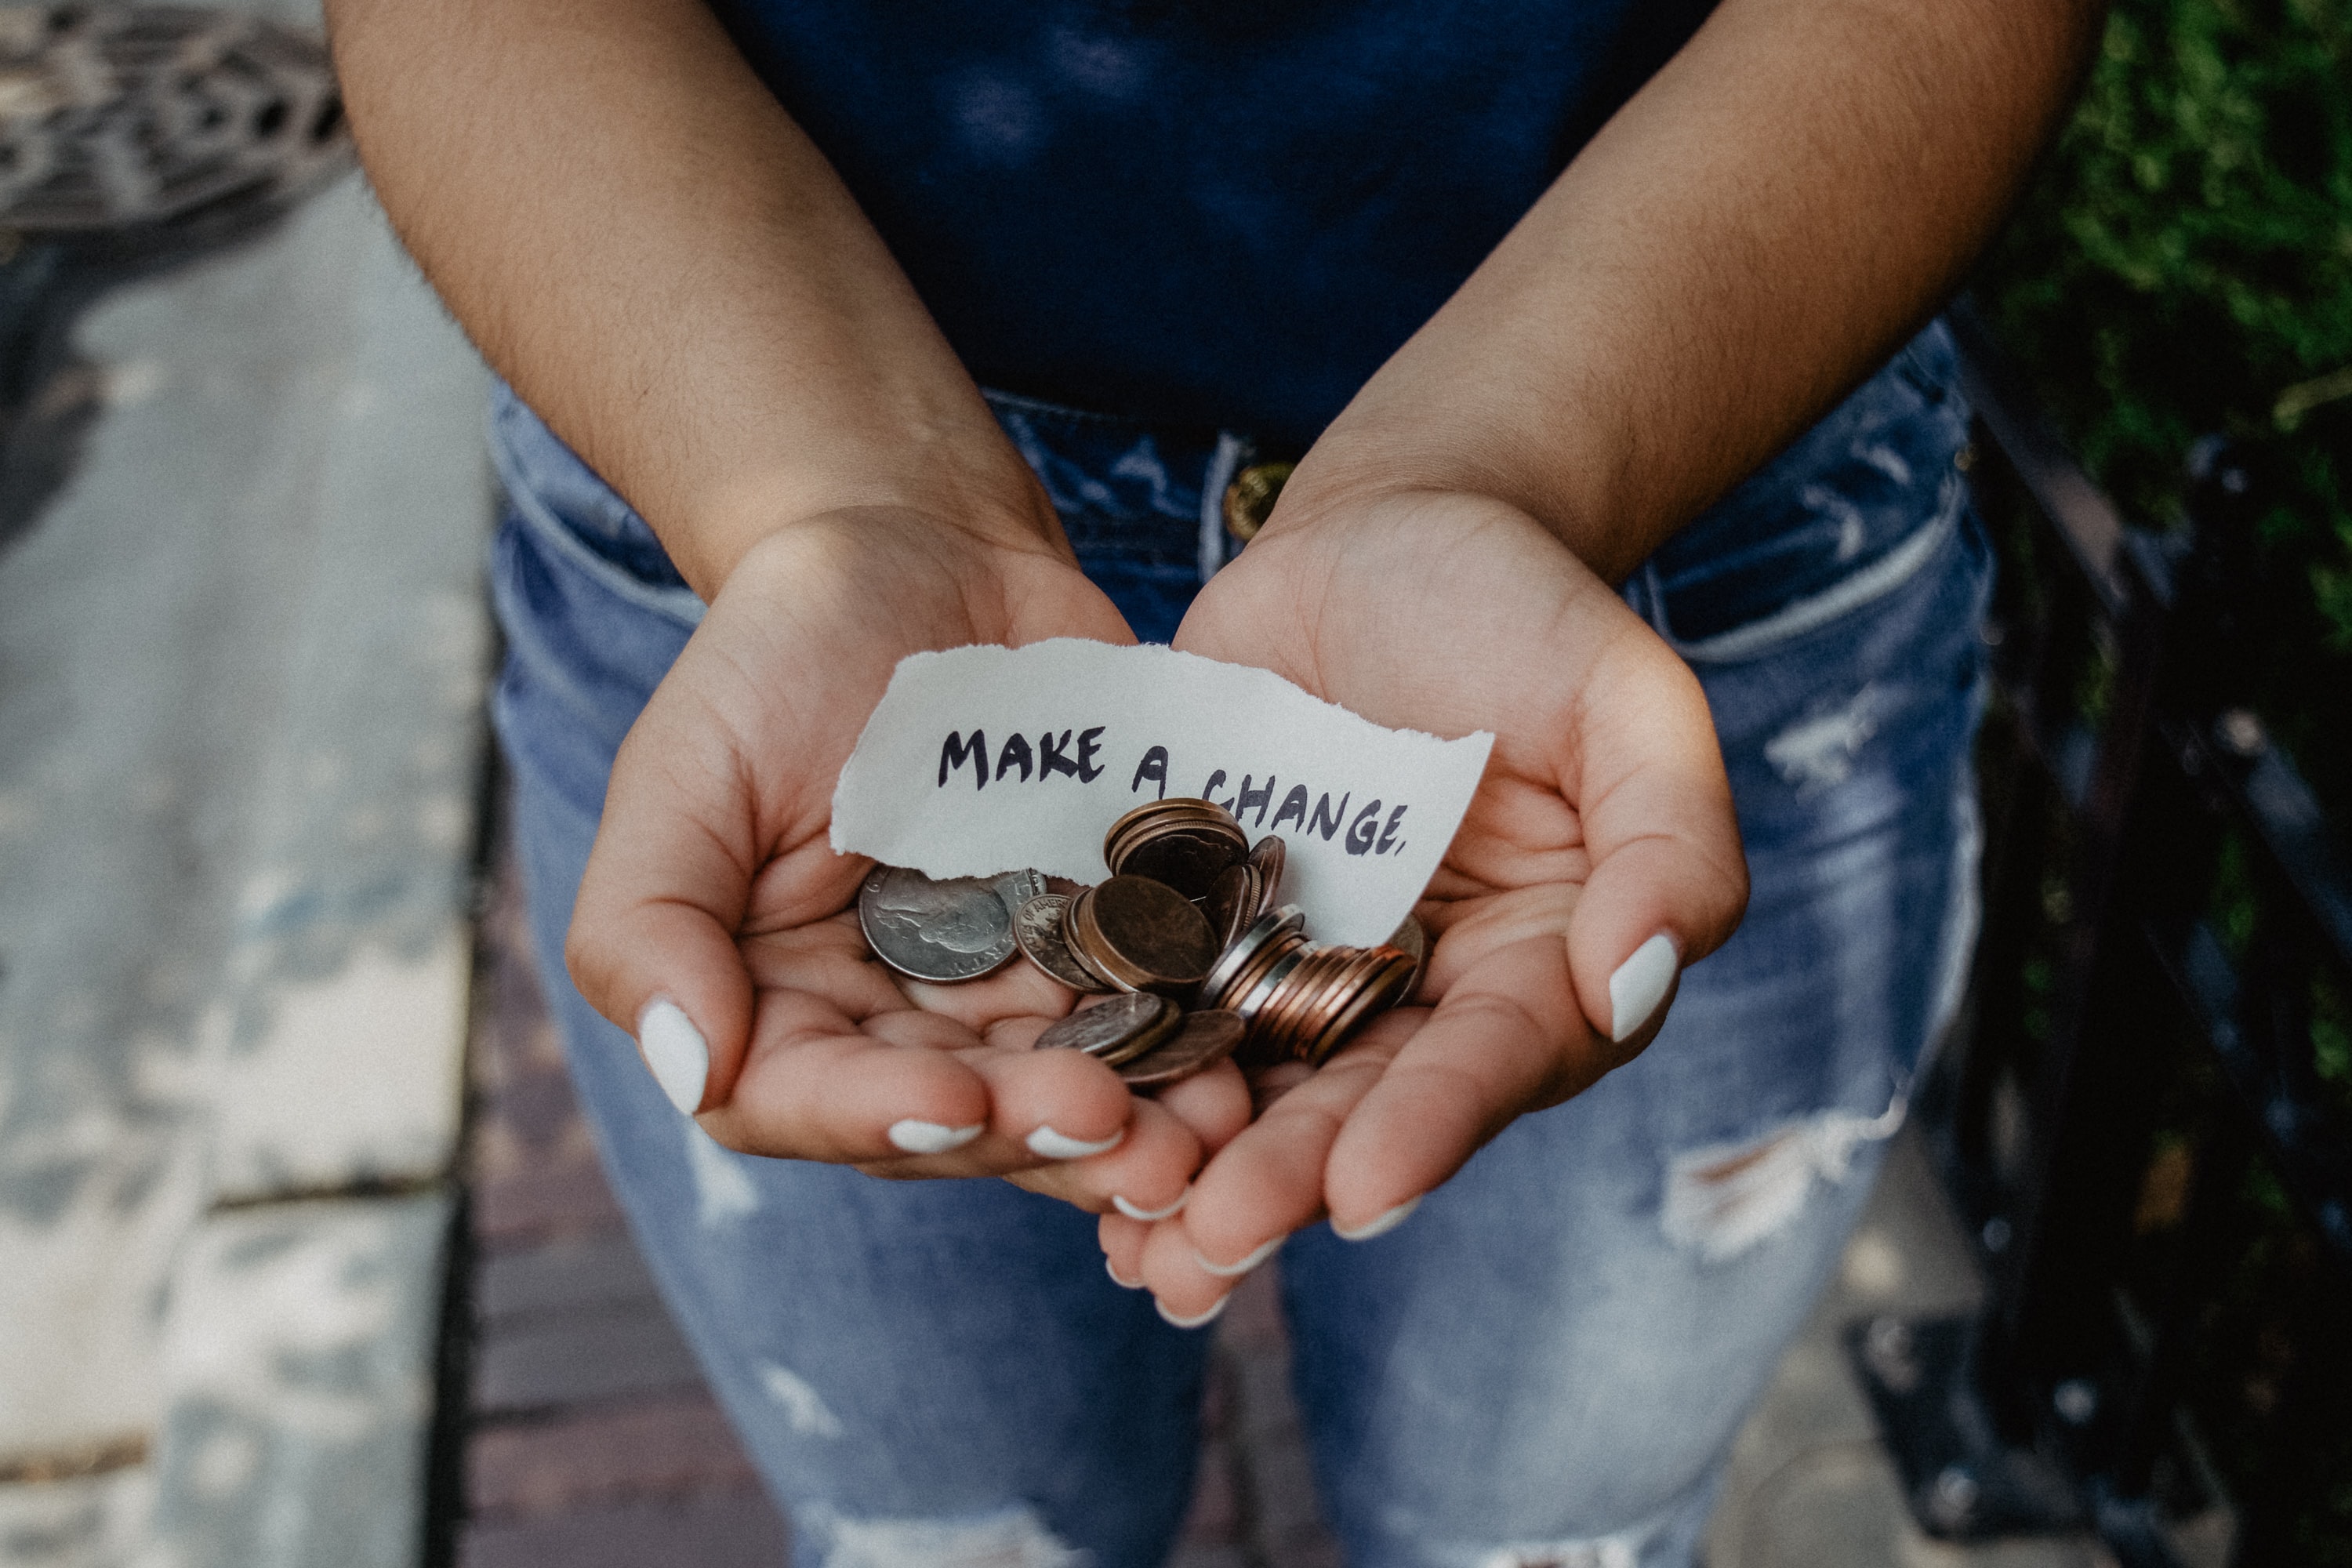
x=2143, y=1113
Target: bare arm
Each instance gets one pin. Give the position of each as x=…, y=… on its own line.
x=643, y=243
x=1750, y=236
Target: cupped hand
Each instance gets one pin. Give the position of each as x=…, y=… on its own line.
x=714, y=922
x=1599, y=855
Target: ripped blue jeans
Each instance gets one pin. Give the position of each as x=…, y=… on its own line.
x=1547, y=1363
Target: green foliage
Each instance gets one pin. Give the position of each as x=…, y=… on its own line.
x=2183, y=265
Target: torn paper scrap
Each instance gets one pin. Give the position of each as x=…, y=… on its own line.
x=981, y=760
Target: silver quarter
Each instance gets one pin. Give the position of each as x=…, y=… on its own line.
x=947, y=930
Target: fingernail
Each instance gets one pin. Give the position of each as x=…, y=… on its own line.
x=1048, y=1145
x=931, y=1138
x=1639, y=984
x=1245, y=1265
x=1131, y=1212
x=1197, y=1319
x=675, y=1050
x=1380, y=1225
x=1123, y=1284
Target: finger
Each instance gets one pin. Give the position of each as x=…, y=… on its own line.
x=1668, y=881
x=817, y=1085
x=1122, y=1243
x=1148, y=1176
x=1187, y=1294
x=1508, y=1038
x=1269, y=1180
x=1214, y=1104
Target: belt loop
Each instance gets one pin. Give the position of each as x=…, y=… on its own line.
x=1224, y=464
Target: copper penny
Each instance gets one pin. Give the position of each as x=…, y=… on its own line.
x=1269, y=858
x=1233, y=901
x=1145, y=934
x=1205, y=1040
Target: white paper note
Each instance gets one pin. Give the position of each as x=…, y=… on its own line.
x=981, y=760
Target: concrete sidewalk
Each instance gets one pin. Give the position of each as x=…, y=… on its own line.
x=241, y=672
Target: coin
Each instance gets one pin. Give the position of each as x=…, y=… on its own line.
x=1017, y=888
x=1142, y=934
x=1205, y=1038
x=1269, y=858
x=1378, y=981
x=1103, y=1028
x=1233, y=901
x=951, y=929
x=1413, y=943
x=1183, y=843
x=1217, y=990
x=1037, y=928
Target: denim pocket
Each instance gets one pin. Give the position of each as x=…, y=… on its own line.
x=1850, y=511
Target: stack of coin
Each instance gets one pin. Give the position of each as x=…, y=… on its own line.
x=1183, y=843
x=1185, y=919
x=1149, y=1040
x=1299, y=1000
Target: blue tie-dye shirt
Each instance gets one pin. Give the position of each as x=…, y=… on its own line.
x=1205, y=212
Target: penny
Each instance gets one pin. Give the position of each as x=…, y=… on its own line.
x=1205, y=1040
x=1106, y=1026
x=1037, y=928
x=1182, y=842
x=1233, y=901
x=1413, y=943
x=1142, y=934
x=1149, y=1040
x=1269, y=858
x=941, y=929
x=1380, y=983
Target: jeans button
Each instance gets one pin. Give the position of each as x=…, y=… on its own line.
x=1249, y=500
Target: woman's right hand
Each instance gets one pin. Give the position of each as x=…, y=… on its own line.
x=716, y=924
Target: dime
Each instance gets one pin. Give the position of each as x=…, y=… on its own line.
x=1205, y=1038
x=1142, y=934
x=1233, y=902
x=1037, y=927
x=1269, y=858
x=951, y=928
x=1104, y=1029
x=1150, y=1039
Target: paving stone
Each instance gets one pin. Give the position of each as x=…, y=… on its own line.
x=284, y=474
x=299, y=1364
x=579, y=1358
x=87, y=1521
x=740, y=1529
x=527, y=1207
x=598, y=1458
x=601, y=1271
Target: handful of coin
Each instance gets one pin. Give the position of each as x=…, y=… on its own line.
x=1186, y=920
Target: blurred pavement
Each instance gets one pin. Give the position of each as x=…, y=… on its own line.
x=241, y=667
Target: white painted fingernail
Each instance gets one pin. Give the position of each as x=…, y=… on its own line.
x=1131, y=1212
x=674, y=1049
x=1245, y=1265
x=1048, y=1145
x=1639, y=984
x=1123, y=1284
x=1381, y=1225
x=931, y=1138
x=1197, y=1319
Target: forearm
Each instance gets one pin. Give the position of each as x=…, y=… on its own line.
x=641, y=241
x=1744, y=240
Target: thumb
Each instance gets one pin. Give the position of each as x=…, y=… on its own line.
x=1669, y=881
x=652, y=940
